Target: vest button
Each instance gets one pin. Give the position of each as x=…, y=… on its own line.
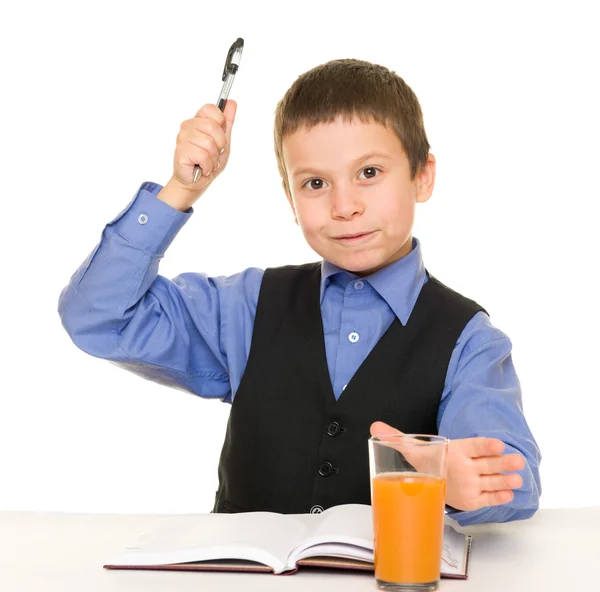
x=325, y=469
x=316, y=509
x=333, y=429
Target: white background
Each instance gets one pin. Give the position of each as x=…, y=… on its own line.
x=93, y=96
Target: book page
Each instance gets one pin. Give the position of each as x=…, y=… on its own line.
x=264, y=537
x=454, y=552
x=346, y=531
x=348, y=524
x=340, y=550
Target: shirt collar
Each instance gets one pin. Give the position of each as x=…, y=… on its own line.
x=399, y=283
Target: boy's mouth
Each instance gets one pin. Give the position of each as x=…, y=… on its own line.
x=354, y=237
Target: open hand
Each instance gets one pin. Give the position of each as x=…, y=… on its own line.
x=476, y=471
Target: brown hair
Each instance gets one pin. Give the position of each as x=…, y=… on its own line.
x=352, y=88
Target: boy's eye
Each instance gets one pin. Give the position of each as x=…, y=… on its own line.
x=371, y=172
x=313, y=184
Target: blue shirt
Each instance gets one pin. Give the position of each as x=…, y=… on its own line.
x=194, y=332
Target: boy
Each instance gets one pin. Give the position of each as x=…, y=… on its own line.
x=315, y=358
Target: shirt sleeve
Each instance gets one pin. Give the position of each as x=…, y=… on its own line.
x=117, y=307
x=482, y=397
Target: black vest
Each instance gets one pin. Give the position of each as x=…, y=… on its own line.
x=290, y=447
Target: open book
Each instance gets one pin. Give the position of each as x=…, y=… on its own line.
x=340, y=537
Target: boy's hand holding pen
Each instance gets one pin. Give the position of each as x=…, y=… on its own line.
x=202, y=149
x=203, y=140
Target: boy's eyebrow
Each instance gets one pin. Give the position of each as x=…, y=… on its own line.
x=355, y=161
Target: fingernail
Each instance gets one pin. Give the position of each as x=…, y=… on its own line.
x=222, y=150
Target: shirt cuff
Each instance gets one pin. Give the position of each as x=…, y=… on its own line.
x=148, y=222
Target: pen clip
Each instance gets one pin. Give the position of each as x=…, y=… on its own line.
x=234, y=55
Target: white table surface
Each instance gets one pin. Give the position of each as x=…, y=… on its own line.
x=50, y=552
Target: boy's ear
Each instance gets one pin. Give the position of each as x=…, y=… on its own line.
x=290, y=200
x=426, y=179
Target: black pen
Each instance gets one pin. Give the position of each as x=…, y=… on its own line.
x=232, y=63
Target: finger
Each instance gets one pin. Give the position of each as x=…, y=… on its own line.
x=195, y=156
x=499, y=464
x=413, y=450
x=212, y=112
x=205, y=126
x=210, y=128
x=476, y=447
x=379, y=428
x=493, y=498
x=491, y=483
x=229, y=113
x=206, y=143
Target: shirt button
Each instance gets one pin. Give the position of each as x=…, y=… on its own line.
x=353, y=337
x=316, y=509
x=359, y=285
x=142, y=218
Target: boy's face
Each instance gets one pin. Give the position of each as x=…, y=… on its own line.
x=351, y=192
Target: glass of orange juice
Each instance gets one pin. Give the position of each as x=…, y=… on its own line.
x=408, y=493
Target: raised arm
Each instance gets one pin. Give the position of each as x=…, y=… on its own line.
x=117, y=307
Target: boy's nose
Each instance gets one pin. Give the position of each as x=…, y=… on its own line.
x=345, y=203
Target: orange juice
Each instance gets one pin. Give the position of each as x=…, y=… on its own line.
x=408, y=522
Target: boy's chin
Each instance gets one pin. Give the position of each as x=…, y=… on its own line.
x=358, y=266
x=368, y=260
